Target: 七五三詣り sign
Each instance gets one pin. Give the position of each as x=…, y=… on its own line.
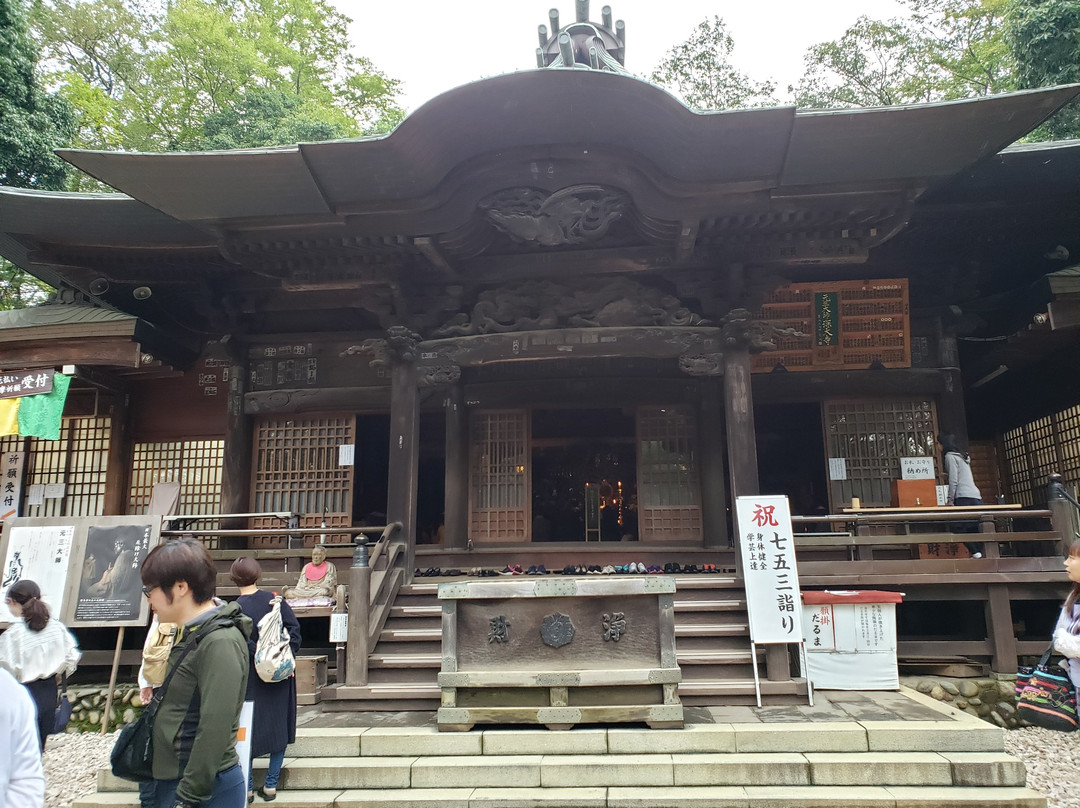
x=771, y=578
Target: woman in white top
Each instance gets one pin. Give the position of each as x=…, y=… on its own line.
x=1067, y=630
x=37, y=649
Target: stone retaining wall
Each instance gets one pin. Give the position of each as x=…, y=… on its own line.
x=88, y=706
x=993, y=700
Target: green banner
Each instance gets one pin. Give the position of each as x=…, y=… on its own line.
x=826, y=318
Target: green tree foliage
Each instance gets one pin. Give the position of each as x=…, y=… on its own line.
x=945, y=49
x=153, y=80
x=700, y=72
x=32, y=124
x=1044, y=37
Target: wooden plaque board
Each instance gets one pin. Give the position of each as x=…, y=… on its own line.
x=87, y=566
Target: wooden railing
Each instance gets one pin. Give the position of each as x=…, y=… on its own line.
x=882, y=551
x=374, y=582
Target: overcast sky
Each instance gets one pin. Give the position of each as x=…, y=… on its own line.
x=435, y=45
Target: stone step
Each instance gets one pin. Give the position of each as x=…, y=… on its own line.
x=543, y=771
x=635, y=797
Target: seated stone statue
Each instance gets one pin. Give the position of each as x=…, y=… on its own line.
x=318, y=579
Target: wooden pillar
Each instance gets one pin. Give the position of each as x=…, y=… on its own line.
x=118, y=465
x=739, y=416
x=404, y=440
x=1063, y=514
x=713, y=486
x=999, y=627
x=356, y=649
x=456, y=488
x=236, y=468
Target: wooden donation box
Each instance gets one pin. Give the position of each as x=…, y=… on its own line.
x=559, y=652
x=914, y=494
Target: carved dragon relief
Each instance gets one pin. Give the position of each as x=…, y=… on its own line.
x=590, y=303
x=578, y=214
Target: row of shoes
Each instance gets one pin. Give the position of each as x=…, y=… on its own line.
x=515, y=569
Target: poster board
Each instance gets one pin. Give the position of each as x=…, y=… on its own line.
x=39, y=550
x=87, y=566
x=770, y=574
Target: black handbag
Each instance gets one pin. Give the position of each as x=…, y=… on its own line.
x=1045, y=695
x=63, y=708
x=132, y=755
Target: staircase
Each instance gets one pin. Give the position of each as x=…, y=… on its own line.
x=948, y=763
x=712, y=640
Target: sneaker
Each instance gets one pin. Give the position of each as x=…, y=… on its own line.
x=541, y=569
x=531, y=570
x=609, y=570
x=976, y=555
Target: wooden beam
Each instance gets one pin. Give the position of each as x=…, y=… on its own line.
x=659, y=342
x=404, y=462
x=357, y=399
x=435, y=256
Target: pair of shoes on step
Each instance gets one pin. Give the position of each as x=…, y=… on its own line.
x=511, y=569
x=536, y=569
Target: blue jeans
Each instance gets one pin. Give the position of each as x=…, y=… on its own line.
x=229, y=791
x=272, y=773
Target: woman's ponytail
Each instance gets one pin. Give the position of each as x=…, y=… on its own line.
x=34, y=611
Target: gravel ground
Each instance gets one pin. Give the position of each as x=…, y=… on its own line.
x=1052, y=760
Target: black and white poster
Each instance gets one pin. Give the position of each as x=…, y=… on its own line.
x=110, y=589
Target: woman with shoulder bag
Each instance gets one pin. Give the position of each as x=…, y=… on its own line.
x=1067, y=631
x=36, y=650
x=155, y=659
x=274, y=721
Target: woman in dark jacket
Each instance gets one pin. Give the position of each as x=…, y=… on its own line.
x=274, y=721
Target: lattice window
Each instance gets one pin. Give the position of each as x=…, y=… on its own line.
x=872, y=436
x=78, y=461
x=1038, y=449
x=499, y=472
x=297, y=469
x=195, y=464
x=669, y=488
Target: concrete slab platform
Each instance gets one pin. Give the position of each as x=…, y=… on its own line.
x=560, y=771
x=520, y=771
x=700, y=738
x=543, y=798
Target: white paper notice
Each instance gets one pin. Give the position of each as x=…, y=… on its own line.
x=916, y=468
x=837, y=468
x=54, y=491
x=346, y=454
x=35, y=495
x=41, y=554
x=339, y=627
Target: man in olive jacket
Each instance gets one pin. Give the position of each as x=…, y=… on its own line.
x=195, y=760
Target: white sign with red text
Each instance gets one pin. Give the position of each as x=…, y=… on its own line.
x=771, y=578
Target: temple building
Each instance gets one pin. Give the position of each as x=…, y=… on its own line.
x=561, y=318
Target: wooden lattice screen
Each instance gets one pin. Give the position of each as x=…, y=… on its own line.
x=1034, y=451
x=847, y=325
x=669, y=487
x=195, y=464
x=297, y=468
x=499, y=476
x=78, y=461
x=871, y=436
